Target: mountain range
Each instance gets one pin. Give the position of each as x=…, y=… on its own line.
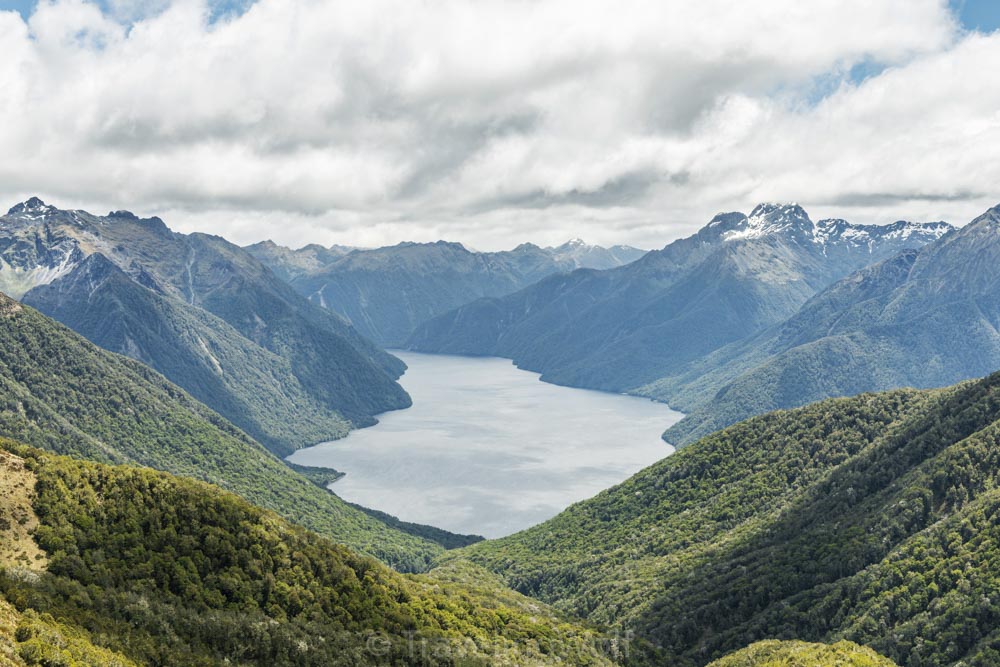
x=625, y=329
x=387, y=292
x=206, y=314
x=865, y=529
x=289, y=264
x=924, y=318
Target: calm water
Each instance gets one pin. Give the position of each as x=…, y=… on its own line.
x=490, y=449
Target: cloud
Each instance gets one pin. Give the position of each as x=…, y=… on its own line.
x=493, y=122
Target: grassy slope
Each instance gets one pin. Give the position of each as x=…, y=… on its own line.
x=801, y=654
x=64, y=394
x=17, y=517
x=874, y=519
x=169, y=570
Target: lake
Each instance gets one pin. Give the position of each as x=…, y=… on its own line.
x=489, y=449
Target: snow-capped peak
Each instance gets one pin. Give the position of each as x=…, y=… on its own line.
x=791, y=220
x=573, y=246
x=771, y=208
x=581, y=254
x=773, y=218
x=31, y=208
x=901, y=230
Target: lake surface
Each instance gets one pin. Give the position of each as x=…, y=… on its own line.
x=489, y=449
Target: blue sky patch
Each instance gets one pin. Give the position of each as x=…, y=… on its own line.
x=219, y=8
x=980, y=15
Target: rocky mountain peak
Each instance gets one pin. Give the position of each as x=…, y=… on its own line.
x=727, y=222
x=768, y=218
x=991, y=219
x=792, y=221
x=31, y=207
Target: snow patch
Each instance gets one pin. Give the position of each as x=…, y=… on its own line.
x=772, y=219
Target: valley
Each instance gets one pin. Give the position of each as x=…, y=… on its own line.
x=500, y=334
x=488, y=449
x=602, y=544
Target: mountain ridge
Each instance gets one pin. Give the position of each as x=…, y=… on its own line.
x=923, y=318
x=387, y=292
x=176, y=571
x=624, y=328
x=194, y=289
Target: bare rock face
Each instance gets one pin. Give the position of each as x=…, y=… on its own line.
x=8, y=307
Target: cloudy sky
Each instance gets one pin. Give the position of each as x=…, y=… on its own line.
x=494, y=122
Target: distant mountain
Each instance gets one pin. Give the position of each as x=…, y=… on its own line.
x=60, y=392
x=625, y=328
x=584, y=256
x=138, y=567
x=288, y=264
x=873, y=519
x=386, y=292
x=924, y=318
x=204, y=313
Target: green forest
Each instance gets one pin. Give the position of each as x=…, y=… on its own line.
x=874, y=519
x=62, y=393
x=170, y=571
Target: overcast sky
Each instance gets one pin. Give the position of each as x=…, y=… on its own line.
x=370, y=122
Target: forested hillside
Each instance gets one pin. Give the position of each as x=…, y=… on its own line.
x=874, y=519
x=66, y=395
x=146, y=568
x=246, y=383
